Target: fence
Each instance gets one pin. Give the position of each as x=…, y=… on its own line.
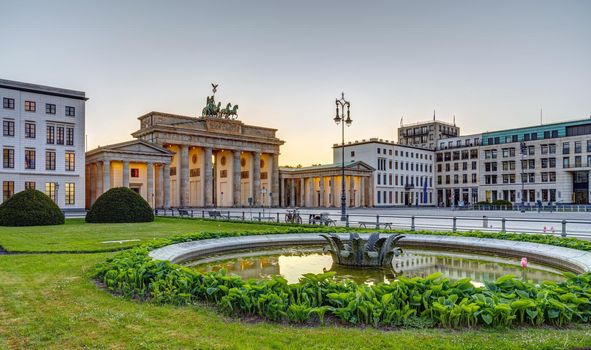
x=552, y=226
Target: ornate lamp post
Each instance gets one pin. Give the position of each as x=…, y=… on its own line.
x=341, y=104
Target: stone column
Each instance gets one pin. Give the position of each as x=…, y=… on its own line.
x=92, y=183
x=311, y=191
x=362, y=192
x=370, y=192
x=150, y=182
x=106, y=175
x=236, y=179
x=160, y=187
x=125, y=175
x=351, y=191
x=321, y=202
x=302, y=192
x=275, y=179
x=207, y=179
x=292, y=192
x=333, y=191
x=256, y=178
x=99, y=179
x=166, y=185
x=184, y=175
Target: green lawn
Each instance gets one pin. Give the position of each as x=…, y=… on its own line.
x=76, y=235
x=48, y=301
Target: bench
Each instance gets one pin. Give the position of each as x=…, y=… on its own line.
x=386, y=225
x=184, y=212
x=214, y=214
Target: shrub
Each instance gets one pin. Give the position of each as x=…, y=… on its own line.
x=120, y=205
x=502, y=202
x=30, y=208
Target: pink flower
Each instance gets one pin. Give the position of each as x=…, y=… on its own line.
x=524, y=262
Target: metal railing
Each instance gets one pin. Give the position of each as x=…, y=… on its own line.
x=454, y=223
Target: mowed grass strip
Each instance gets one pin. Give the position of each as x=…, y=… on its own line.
x=78, y=236
x=49, y=302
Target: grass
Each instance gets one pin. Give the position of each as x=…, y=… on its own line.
x=48, y=301
x=78, y=236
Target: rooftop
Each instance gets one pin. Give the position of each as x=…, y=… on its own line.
x=42, y=89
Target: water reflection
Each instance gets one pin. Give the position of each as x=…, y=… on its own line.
x=292, y=263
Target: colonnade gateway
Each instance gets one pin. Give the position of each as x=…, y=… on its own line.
x=212, y=160
x=321, y=185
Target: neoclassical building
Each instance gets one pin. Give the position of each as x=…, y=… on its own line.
x=321, y=185
x=183, y=161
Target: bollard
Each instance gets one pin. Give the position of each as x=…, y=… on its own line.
x=503, y=225
x=259, y=216
x=347, y=222
x=377, y=222
x=563, y=233
x=242, y=215
x=203, y=214
x=412, y=223
x=277, y=217
x=484, y=221
x=228, y=215
x=191, y=212
x=454, y=226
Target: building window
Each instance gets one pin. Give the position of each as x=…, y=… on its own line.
x=244, y=174
x=566, y=162
x=8, y=158
x=7, y=190
x=29, y=159
x=30, y=185
x=195, y=172
x=49, y=108
x=565, y=148
x=71, y=162
x=578, y=147
x=8, y=127
x=135, y=172
x=588, y=145
x=60, y=135
x=50, y=190
x=70, y=111
x=50, y=134
x=30, y=129
x=69, y=136
x=49, y=160
x=70, y=193
x=30, y=106
x=352, y=153
x=8, y=103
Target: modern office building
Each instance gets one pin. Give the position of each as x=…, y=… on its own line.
x=426, y=134
x=43, y=142
x=547, y=163
x=403, y=176
x=457, y=170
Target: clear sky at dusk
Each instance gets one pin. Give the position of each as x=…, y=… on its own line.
x=493, y=64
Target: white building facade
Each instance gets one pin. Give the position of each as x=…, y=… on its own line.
x=403, y=176
x=42, y=142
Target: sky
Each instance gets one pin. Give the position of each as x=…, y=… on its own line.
x=492, y=64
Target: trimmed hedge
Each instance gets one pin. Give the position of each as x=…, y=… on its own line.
x=433, y=300
x=30, y=208
x=118, y=205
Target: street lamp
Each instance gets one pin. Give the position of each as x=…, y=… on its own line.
x=342, y=104
x=523, y=151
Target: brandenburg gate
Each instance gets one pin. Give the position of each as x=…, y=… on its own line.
x=212, y=160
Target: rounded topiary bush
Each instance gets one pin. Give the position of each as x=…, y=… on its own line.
x=120, y=204
x=30, y=208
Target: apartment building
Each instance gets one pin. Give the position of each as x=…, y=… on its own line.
x=426, y=134
x=403, y=176
x=43, y=142
x=457, y=170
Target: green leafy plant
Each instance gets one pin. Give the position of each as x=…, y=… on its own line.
x=30, y=208
x=120, y=204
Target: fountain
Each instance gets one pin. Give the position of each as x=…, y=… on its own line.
x=375, y=252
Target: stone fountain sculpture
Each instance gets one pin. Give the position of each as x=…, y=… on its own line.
x=375, y=252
